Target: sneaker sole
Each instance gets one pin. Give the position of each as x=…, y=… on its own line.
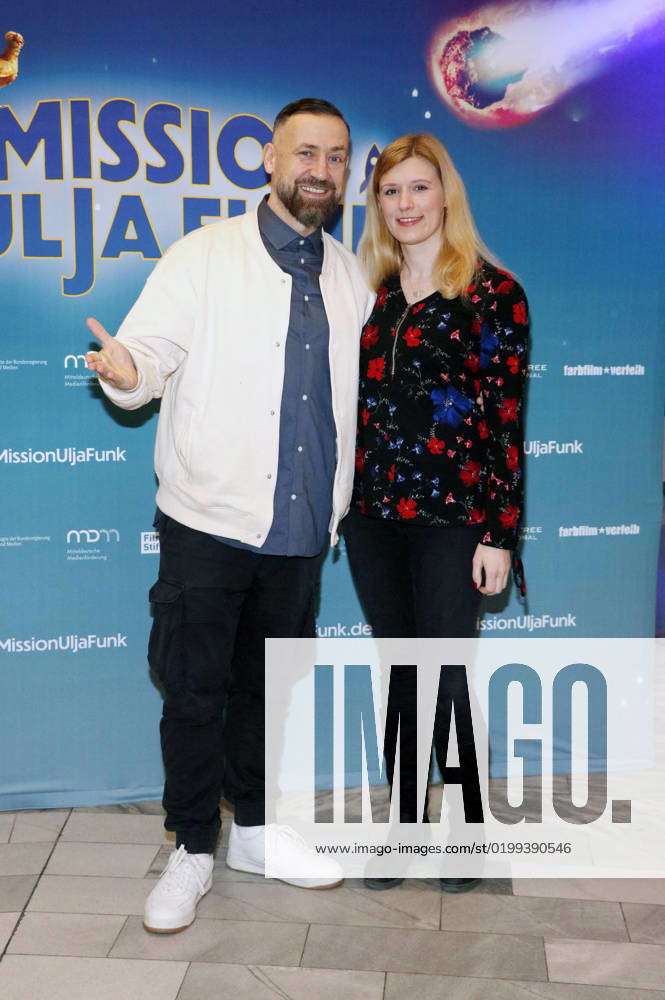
x=381, y=884
x=456, y=889
x=166, y=930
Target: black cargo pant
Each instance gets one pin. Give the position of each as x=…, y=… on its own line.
x=413, y=581
x=213, y=606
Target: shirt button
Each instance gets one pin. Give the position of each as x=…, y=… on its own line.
x=302, y=260
x=258, y=536
x=304, y=395
x=278, y=343
x=299, y=447
x=306, y=347
x=269, y=476
x=272, y=413
x=302, y=242
x=293, y=496
x=306, y=298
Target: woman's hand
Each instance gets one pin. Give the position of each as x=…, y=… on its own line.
x=496, y=563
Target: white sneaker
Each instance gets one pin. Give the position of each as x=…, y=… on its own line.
x=171, y=906
x=247, y=850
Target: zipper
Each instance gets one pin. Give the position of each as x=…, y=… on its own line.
x=397, y=330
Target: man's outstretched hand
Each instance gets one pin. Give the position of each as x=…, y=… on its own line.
x=114, y=363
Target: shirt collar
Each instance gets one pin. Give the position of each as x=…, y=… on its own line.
x=279, y=234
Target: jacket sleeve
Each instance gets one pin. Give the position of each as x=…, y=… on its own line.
x=504, y=352
x=158, y=329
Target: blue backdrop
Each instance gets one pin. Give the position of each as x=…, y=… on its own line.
x=127, y=126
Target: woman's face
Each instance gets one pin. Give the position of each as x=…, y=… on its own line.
x=412, y=202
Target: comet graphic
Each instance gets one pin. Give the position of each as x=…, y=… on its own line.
x=370, y=163
x=503, y=64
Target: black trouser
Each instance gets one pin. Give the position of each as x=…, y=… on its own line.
x=413, y=581
x=214, y=605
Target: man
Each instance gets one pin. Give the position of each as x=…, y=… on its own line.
x=249, y=330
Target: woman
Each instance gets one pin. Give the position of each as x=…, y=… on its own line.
x=438, y=491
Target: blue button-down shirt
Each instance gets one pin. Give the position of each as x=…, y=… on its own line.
x=307, y=453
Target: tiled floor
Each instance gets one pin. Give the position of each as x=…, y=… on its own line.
x=72, y=886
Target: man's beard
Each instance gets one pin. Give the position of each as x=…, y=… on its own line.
x=309, y=212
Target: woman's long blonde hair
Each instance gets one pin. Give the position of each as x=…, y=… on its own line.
x=461, y=248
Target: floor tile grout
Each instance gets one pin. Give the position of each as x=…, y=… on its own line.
x=189, y=965
x=304, y=945
x=34, y=888
x=115, y=939
x=625, y=921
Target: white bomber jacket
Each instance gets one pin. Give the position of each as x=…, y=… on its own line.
x=207, y=334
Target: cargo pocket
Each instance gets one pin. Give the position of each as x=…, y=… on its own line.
x=165, y=643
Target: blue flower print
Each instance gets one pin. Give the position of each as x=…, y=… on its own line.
x=488, y=344
x=450, y=405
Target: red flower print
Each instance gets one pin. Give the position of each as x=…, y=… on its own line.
x=416, y=309
x=450, y=453
x=470, y=289
x=360, y=459
x=513, y=364
x=508, y=410
x=470, y=473
x=505, y=287
x=476, y=516
x=483, y=430
x=519, y=312
x=436, y=445
x=454, y=335
x=375, y=368
x=365, y=416
x=412, y=336
x=369, y=337
x=450, y=498
x=472, y=362
x=407, y=508
x=381, y=296
x=475, y=298
x=391, y=473
x=476, y=386
x=475, y=325
x=512, y=458
x=487, y=538
x=509, y=517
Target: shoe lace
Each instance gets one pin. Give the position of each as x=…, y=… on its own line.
x=180, y=873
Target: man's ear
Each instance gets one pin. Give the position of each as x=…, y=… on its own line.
x=269, y=157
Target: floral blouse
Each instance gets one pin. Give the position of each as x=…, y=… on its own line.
x=440, y=428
